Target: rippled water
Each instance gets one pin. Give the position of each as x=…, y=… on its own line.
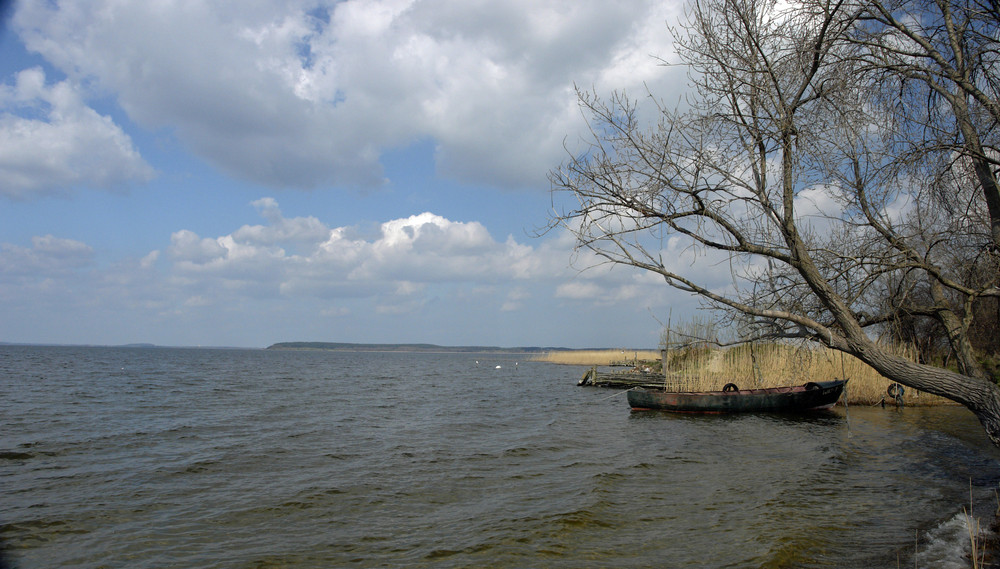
x=249, y=458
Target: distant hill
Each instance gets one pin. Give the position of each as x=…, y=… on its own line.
x=348, y=347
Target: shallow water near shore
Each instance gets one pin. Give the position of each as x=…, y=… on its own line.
x=155, y=457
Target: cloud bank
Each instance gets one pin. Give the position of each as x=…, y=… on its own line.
x=296, y=277
x=311, y=94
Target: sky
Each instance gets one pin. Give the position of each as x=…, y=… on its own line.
x=195, y=173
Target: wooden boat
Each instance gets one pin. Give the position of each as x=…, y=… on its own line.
x=810, y=396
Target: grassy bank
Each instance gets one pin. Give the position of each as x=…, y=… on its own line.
x=769, y=365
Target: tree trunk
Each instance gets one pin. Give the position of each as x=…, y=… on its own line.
x=984, y=174
x=979, y=396
x=991, y=192
x=958, y=334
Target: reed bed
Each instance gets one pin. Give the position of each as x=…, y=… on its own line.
x=596, y=357
x=772, y=365
x=760, y=365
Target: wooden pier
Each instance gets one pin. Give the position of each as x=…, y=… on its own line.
x=634, y=377
x=639, y=375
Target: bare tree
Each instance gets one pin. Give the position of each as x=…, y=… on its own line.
x=787, y=108
x=938, y=60
x=933, y=67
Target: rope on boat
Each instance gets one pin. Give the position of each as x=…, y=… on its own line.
x=843, y=394
x=617, y=394
x=847, y=412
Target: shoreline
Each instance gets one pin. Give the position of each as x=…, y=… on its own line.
x=775, y=366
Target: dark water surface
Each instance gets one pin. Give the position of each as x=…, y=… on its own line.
x=148, y=458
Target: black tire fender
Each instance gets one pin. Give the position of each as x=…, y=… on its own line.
x=730, y=387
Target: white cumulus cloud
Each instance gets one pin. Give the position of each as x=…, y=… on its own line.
x=51, y=141
x=295, y=276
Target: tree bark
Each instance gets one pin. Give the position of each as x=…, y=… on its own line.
x=980, y=397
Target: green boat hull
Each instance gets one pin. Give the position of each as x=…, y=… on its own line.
x=807, y=397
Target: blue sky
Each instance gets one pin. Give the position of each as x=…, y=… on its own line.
x=239, y=174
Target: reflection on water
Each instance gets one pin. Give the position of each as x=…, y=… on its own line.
x=230, y=458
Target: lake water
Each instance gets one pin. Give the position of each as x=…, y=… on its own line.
x=155, y=457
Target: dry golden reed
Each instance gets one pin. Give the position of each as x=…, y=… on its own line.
x=596, y=357
x=761, y=365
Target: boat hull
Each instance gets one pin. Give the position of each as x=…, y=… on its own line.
x=807, y=397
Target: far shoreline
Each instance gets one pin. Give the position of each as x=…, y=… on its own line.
x=438, y=349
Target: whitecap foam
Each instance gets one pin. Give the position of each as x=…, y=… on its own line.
x=948, y=545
